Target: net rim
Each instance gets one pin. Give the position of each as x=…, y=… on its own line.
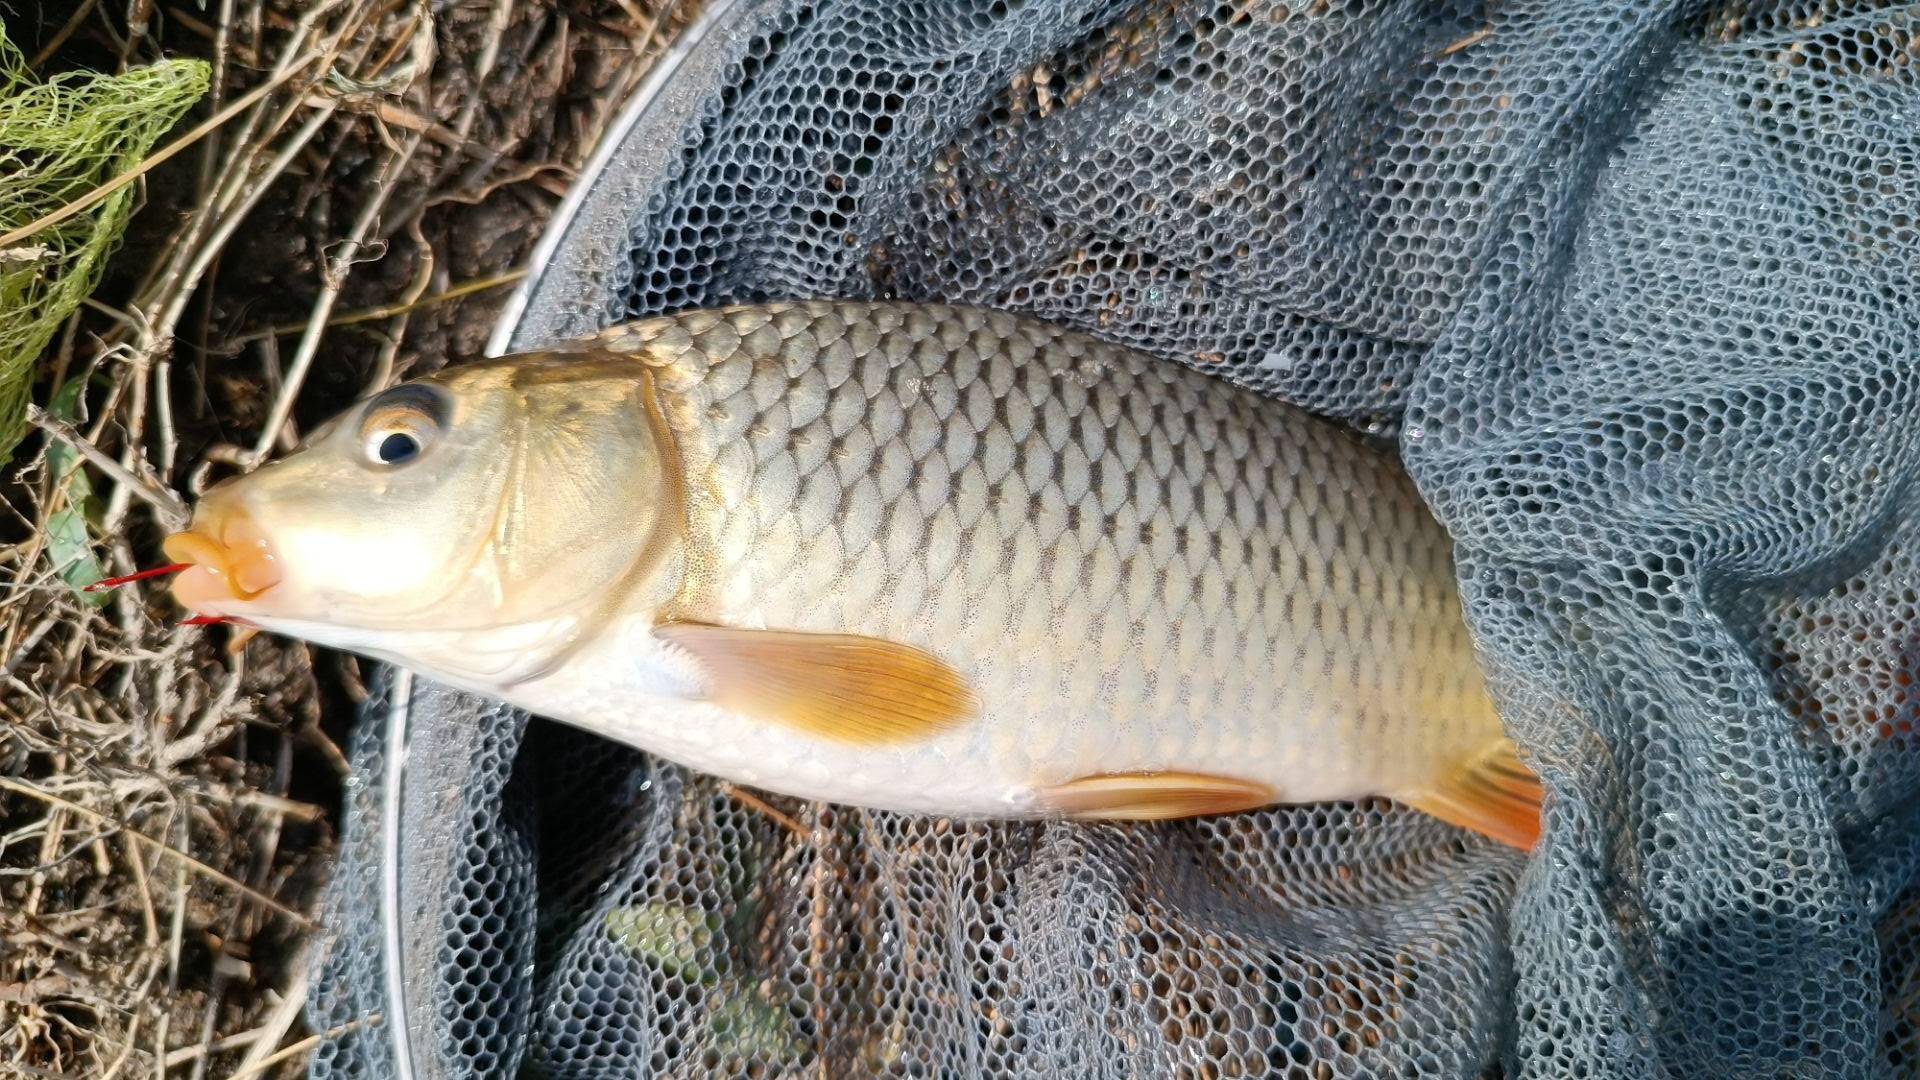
x=711, y=15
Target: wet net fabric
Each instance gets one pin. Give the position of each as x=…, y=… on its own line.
x=1633, y=285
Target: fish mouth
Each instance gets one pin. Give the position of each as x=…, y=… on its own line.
x=231, y=562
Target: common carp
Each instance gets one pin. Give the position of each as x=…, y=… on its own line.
x=910, y=557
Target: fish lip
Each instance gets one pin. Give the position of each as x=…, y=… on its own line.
x=194, y=549
x=230, y=550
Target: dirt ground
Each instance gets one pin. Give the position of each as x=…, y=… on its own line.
x=378, y=173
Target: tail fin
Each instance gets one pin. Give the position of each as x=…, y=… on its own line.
x=1493, y=795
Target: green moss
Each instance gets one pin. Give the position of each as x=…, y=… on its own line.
x=59, y=140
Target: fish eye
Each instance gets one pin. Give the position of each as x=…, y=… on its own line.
x=401, y=423
x=397, y=447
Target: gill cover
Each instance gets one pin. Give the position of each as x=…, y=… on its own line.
x=593, y=503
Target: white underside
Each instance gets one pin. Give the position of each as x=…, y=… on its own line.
x=628, y=686
x=625, y=687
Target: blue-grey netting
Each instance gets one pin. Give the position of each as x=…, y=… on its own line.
x=1634, y=286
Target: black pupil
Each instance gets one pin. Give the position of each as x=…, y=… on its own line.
x=397, y=447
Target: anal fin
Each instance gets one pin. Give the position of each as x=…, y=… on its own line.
x=1153, y=796
x=1493, y=795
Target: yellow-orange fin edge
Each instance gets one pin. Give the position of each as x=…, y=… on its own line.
x=843, y=687
x=1153, y=796
x=1494, y=795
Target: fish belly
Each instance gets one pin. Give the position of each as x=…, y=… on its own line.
x=1002, y=764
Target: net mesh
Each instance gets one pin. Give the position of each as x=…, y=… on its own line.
x=1633, y=287
x=60, y=140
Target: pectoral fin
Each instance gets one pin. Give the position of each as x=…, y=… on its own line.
x=1154, y=796
x=852, y=689
x=1493, y=795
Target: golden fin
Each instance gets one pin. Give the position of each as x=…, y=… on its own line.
x=838, y=686
x=1493, y=795
x=1154, y=796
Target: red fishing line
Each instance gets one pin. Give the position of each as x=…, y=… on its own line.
x=127, y=579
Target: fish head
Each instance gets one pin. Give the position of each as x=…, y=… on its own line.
x=538, y=490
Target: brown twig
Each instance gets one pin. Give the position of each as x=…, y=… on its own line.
x=331, y=283
x=182, y=857
x=386, y=311
x=1465, y=43
x=208, y=1049
x=203, y=255
x=263, y=1057
x=102, y=191
x=750, y=800
x=173, y=512
x=60, y=36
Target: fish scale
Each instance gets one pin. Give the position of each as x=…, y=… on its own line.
x=1248, y=592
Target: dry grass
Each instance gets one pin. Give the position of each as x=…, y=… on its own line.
x=350, y=205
